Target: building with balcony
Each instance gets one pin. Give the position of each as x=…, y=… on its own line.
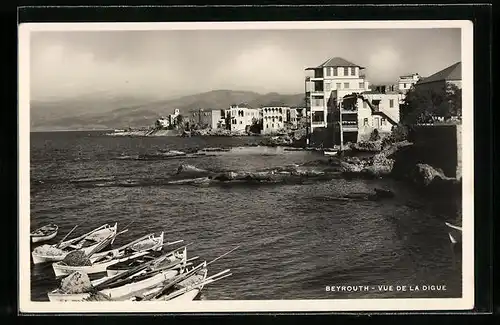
x=274, y=119
x=335, y=74
x=242, y=117
x=353, y=116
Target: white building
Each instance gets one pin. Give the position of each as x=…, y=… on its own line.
x=407, y=81
x=354, y=116
x=274, y=118
x=336, y=74
x=242, y=117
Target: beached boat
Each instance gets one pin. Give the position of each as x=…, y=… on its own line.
x=44, y=233
x=123, y=285
x=86, y=242
x=454, y=233
x=101, y=261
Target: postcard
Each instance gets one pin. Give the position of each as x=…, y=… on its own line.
x=246, y=167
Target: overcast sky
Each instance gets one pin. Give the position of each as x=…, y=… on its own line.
x=164, y=64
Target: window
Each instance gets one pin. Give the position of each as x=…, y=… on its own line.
x=404, y=86
x=335, y=72
x=241, y=122
x=267, y=126
x=353, y=71
x=364, y=104
x=391, y=103
x=328, y=72
x=317, y=102
x=346, y=85
x=383, y=121
x=361, y=85
x=328, y=86
x=318, y=117
x=272, y=125
x=339, y=85
x=346, y=71
x=365, y=121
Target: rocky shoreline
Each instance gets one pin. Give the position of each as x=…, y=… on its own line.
x=391, y=160
x=293, y=138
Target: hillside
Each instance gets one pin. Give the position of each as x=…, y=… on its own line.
x=138, y=112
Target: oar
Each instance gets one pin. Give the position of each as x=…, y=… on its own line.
x=69, y=242
x=173, y=242
x=232, y=250
x=199, y=284
x=133, y=242
x=127, y=273
x=173, y=282
x=172, y=264
x=69, y=233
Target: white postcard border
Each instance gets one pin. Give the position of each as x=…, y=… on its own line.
x=323, y=305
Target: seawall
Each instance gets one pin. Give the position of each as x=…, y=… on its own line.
x=439, y=146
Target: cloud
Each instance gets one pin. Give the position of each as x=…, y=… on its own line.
x=384, y=63
x=164, y=64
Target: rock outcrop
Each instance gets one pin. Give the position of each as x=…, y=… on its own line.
x=190, y=171
x=368, y=146
x=433, y=180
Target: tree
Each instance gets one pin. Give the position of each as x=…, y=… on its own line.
x=375, y=136
x=425, y=105
x=256, y=126
x=179, y=120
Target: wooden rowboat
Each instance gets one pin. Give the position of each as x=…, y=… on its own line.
x=101, y=261
x=160, y=261
x=87, y=242
x=44, y=233
x=127, y=284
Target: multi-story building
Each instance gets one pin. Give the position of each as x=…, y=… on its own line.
x=274, y=118
x=171, y=120
x=354, y=117
x=293, y=117
x=207, y=119
x=242, y=117
x=334, y=75
x=407, y=81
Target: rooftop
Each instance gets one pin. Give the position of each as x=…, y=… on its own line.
x=453, y=72
x=409, y=75
x=336, y=62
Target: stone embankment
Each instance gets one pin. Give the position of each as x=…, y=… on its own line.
x=399, y=162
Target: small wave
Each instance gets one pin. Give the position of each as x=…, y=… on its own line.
x=91, y=179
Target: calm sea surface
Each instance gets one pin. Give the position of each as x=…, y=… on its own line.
x=294, y=238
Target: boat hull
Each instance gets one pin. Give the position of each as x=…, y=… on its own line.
x=63, y=270
x=39, y=239
x=40, y=258
x=121, y=292
x=188, y=296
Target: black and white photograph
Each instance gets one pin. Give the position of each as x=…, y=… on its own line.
x=246, y=167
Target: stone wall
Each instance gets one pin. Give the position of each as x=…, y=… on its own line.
x=439, y=146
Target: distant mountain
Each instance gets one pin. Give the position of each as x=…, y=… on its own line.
x=90, y=113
